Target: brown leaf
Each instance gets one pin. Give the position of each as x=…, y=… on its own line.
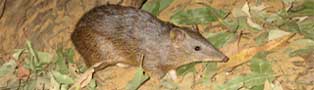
x=267, y=85
x=246, y=54
x=83, y=80
x=307, y=77
x=22, y=72
x=309, y=59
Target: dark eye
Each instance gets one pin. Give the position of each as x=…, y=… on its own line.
x=197, y=48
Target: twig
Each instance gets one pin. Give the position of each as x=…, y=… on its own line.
x=3, y=9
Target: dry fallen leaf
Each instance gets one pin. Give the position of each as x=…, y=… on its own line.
x=253, y=24
x=22, y=72
x=84, y=79
x=307, y=77
x=267, y=85
x=246, y=9
x=270, y=86
x=246, y=54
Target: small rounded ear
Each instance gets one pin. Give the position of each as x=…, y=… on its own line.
x=177, y=35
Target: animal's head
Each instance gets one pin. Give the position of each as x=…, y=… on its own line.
x=193, y=47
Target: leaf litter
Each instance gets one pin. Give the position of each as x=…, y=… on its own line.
x=270, y=48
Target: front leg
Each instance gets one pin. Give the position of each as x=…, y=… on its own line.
x=173, y=74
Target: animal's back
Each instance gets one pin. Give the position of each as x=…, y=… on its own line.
x=117, y=33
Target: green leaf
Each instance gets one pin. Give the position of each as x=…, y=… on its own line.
x=221, y=38
x=92, y=85
x=290, y=26
x=307, y=28
x=44, y=58
x=302, y=52
x=233, y=25
x=28, y=64
x=259, y=64
x=261, y=39
x=8, y=67
x=32, y=51
x=36, y=60
x=30, y=85
x=233, y=84
x=197, y=16
x=164, y=4
x=156, y=6
x=274, y=18
x=61, y=65
x=305, y=9
x=258, y=13
x=261, y=71
x=261, y=55
x=53, y=82
x=243, y=23
x=210, y=69
x=258, y=87
x=185, y=69
x=274, y=34
x=137, y=80
x=69, y=54
x=32, y=62
x=251, y=80
x=151, y=7
x=257, y=79
x=62, y=78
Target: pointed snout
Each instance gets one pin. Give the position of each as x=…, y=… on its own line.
x=221, y=58
x=218, y=57
x=225, y=59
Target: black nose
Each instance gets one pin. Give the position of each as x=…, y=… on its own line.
x=225, y=59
